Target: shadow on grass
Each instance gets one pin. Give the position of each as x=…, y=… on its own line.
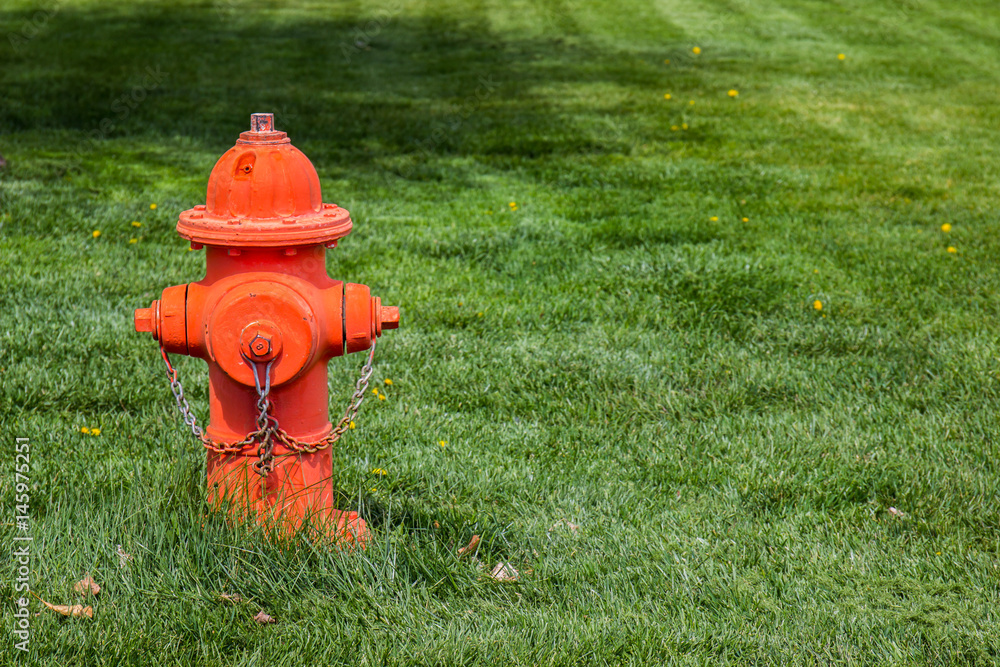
x=364, y=88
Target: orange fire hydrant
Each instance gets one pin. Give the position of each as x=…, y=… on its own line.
x=267, y=318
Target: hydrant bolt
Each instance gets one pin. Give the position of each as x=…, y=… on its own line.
x=260, y=345
x=260, y=341
x=144, y=320
x=390, y=317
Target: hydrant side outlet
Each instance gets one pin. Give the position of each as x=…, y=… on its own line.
x=267, y=318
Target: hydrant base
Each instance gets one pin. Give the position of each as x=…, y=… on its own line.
x=296, y=496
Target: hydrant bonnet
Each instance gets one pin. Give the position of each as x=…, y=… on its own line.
x=264, y=192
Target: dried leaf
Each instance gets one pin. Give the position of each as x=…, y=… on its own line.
x=562, y=522
x=470, y=547
x=263, y=618
x=76, y=610
x=234, y=598
x=504, y=572
x=896, y=513
x=86, y=586
x=123, y=558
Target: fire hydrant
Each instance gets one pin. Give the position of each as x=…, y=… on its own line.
x=267, y=318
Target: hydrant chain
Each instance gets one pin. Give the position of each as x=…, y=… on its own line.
x=266, y=424
x=178, y=391
x=268, y=430
x=357, y=398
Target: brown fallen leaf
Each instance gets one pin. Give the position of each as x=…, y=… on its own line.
x=504, y=572
x=562, y=522
x=87, y=586
x=123, y=558
x=234, y=598
x=76, y=610
x=470, y=547
x=263, y=618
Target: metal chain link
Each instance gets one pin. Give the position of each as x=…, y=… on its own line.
x=360, y=393
x=178, y=391
x=266, y=424
x=269, y=432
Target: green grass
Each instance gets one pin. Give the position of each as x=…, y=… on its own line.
x=622, y=352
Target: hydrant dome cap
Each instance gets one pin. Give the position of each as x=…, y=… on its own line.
x=264, y=192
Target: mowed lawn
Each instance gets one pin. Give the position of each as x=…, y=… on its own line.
x=717, y=373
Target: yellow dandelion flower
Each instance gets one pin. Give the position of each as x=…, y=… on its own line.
x=734, y=93
x=351, y=425
x=691, y=102
x=666, y=62
x=381, y=397
x=95, y=431
x=946, y=227
x=696, y=50
x=152, y=207
x=442, y=442
x=841, y=56
x=379, y=472
x=388, y=382
x=373, y=490
x=951, y=249
x=666, y=96
x=136, y=223
x=84, y=429
x=714, y=218
x=513, y=204
x=684, y=126
x=479, y=314
x=745, y=219
x=96, y=233
x=133, y=240
x=375, y=390
x=674, y=128
x=817, y=304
